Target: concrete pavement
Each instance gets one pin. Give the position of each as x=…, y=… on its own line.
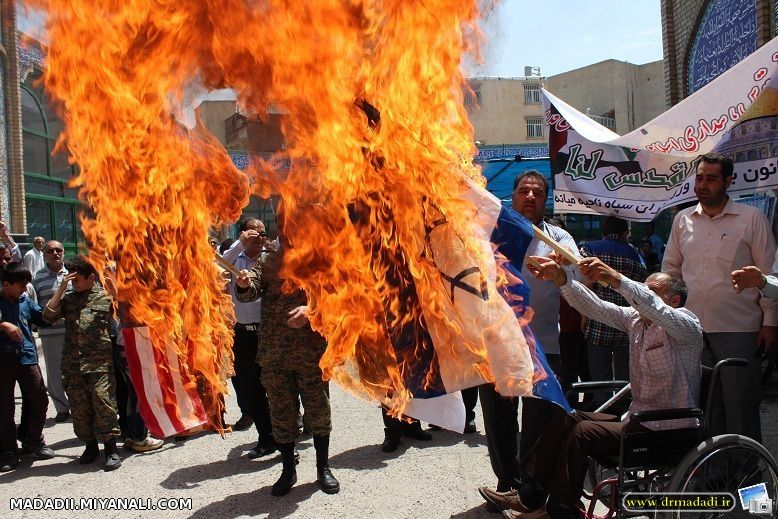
x=435, y=479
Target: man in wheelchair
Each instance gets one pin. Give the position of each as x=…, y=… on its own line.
x=665, y=349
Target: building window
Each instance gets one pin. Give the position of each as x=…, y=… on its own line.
x=532, y=93
x=534, y=127
x=472, y=95
x=52, y=207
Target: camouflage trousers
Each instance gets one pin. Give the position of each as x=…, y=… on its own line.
x=92, y=398
x=283, y=387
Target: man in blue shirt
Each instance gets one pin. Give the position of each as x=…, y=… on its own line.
x=19, y=363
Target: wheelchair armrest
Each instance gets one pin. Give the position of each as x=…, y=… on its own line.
x=732, y=361
x=657, y=415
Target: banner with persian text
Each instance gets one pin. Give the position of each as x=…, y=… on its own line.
x=652, y=168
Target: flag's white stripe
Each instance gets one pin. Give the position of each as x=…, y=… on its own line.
x=186, y=411
x=151, y=382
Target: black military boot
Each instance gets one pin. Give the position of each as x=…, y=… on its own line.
x=415, y=431
x=112, y=459
x=393, y=431
x=288, y=474
x=90, y=453
x=327, y=481
x=391, y=439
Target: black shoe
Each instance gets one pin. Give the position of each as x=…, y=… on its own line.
x=90, y=453
x=261, y=450
x=391, y=440
x=9, y=461
x=112, y=459
x=61, y=417
x=327, y=482
x=44, y=452
x=285, y=482
x=434, y=427
x=415, y=431
x=244, y=423
x=470, y=427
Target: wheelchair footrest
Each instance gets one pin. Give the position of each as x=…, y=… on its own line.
x=611, y=482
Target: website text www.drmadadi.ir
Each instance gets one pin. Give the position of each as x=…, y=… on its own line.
x=100, y=503
x=678, y=501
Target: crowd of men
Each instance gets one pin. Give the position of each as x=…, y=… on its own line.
x=620, y=313
x=87, y=377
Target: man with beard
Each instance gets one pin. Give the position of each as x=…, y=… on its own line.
x=707, y=242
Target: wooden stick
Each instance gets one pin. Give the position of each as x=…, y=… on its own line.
x=551, y=242
x=227, y=265
x=531, y=262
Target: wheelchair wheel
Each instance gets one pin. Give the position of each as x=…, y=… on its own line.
x=725, y=463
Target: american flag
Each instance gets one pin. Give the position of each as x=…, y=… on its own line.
x=156, y=372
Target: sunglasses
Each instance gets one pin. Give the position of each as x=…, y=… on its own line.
x=52, y=251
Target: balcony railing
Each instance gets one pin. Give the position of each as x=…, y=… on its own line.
x=608, y=122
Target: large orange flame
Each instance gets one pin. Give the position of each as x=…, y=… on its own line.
x=376, y=132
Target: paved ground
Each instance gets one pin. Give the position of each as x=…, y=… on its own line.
x=435, y=479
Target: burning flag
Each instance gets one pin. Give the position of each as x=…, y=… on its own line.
x=400, y=276
x=151, y=370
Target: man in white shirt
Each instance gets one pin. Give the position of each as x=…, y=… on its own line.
x=251, y=394
x=33, y=258
x=707, y=243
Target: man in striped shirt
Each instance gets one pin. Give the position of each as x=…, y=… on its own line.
x=607, y=347
x=46, y=282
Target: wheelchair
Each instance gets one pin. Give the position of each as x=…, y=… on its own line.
x=677, y=460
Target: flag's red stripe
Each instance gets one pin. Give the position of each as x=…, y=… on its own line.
x=166, y=384
x=136, y=376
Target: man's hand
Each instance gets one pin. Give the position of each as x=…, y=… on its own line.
x=242, y=280
x=247, y=236
x=110, y=285
x=767, y=339
x=65, y=282
x=748, y=277
x=546, y=269
x=595, y=270
x=298, y=317
x=3, y=229
x=13, y=331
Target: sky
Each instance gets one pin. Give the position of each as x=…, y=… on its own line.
x=555, y=35
x=562, y=35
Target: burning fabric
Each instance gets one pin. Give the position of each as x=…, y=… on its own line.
x=395, y=260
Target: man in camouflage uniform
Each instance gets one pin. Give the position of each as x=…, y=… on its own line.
x=289, y=352
x=87, y=360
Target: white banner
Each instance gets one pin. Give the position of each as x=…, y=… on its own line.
x=652, y=168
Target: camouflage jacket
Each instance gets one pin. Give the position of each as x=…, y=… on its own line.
x=87, y=329
x=276, y=337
